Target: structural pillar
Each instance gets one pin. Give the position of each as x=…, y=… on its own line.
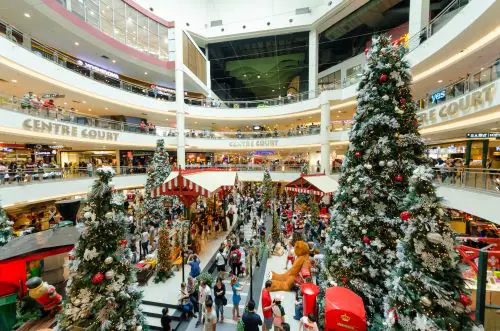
x=313, y=62
x=179, y=98
x=209, y=80
x=324, y=133
x=419, y=19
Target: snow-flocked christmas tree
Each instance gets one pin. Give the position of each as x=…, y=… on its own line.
x=5, y=227
x=158, y=171
x=101, y=292
x=427, y=289
x=385, y=147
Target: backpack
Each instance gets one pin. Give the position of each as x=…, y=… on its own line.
x=235, y=258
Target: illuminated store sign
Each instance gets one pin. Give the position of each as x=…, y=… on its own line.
x=162, y=90
x=97, y=69
x=471, y=102
x=484, y=135
x=254, y=143
x=58, y=129
x=438, y=96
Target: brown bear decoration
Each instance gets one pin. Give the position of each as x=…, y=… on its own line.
x=284, y=282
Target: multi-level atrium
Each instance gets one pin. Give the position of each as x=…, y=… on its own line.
x=231, y=165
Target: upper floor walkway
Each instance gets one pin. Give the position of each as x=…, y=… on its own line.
x=475, y=191
x=42, y=62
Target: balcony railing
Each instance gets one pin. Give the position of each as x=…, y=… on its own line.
x=31, y=173
x=71, y=63
x=470, y=178
x=37, y=109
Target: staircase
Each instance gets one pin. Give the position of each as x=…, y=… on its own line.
x=152, y=311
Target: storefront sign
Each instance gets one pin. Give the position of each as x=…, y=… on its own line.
x=438, y=96
x=97, y=69
x=473, y=101
x=264, y=153
x=254, y=143
x=484, y=135
x=58, y=129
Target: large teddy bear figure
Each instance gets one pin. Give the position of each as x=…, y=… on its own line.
x=284, y=282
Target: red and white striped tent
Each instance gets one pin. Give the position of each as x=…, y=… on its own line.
x=193, y=183
x=316, y=184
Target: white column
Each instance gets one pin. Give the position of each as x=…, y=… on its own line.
x=313, y=62
x=419, y=18
x=209, y=80
x=179, y=98
x=325, y=143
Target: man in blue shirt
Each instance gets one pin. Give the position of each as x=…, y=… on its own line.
x=251, y=320
x=194, y=262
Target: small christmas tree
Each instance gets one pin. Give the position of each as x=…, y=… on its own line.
x=158, y=171
x=276, y=228
x=303, y=198
x=268, y=191
x=5, y=227
x=427, y=288
x=384, y=149
x=101, y=292
x=164, y=267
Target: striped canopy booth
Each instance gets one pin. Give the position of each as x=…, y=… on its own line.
x=316, y=184
x=190, y=184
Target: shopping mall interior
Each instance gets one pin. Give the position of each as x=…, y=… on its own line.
x=232, y=165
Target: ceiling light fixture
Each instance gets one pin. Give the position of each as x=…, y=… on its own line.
x=105, y=108
x=145, y=72
x=440, y=81
x=84, y=101
x=77, y=43
x=27, y=15
x=258, y=76
x=14, y=81
x=114, y=61
x=494, y=128
x=90, y=109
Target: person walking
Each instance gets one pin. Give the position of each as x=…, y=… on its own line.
x=165, y=320
x=236, y=287
x=278, y=313
x=210, y=323
x=204, y=294
x=220, y=298
x=90, y=168
x=145, y=242
x=235, y=258
x=194, y=263
x=251, y=320
x=267, y=306
x=220, y=262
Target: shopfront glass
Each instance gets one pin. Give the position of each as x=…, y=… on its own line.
x=79, y=159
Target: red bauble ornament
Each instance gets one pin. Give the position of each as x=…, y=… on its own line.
x=367, y=240
x=344, y=279
x=398, y=178
x=383, y=78
x=366, y=51
x=124, y=242
x=402, y=101
x=97, y=278
x=465, y=299
x=357, y=154
x=405, y=216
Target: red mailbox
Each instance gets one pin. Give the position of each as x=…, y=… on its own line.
x=309, y=294
x=344, y=310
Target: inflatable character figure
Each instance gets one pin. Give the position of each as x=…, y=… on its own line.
x=285, y=282
x=45, y=294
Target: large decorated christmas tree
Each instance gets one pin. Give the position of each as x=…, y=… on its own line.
x=5, y=227
x=101, y=292
x=384, y=149
x=158, y=171
x=427, y=289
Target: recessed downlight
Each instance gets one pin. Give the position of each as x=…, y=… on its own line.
x=77, y=43
x=27, y=15
x=440, y=81
x=14, y=81
x=114, y=61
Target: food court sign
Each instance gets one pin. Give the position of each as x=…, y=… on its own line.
x=65, y=130
x=253, y=143
x=475, y=101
